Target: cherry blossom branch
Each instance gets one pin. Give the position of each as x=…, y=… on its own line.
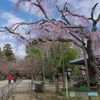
x=17, y=25
x=63, y=17
x=77, y=38
x=37, y=3
x=68, y=12
x=42, y=22
x=39, y=39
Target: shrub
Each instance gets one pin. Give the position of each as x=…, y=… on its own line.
x=80, y=89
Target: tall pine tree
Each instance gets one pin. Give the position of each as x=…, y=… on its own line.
x=7, y=49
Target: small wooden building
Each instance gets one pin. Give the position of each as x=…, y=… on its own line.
x=80, y=61
x=60, y=77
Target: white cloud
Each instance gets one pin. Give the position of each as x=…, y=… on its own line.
x=2, y=43
x=10, y=19
x=5, y=36
x=26, y=7
x=86, y=7
x=83, y=6
x=19, y=51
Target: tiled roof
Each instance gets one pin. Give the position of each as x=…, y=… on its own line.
x=78, y=61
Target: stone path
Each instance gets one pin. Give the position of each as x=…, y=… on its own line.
x=3, y=83
x=23, y=85
x=3, y=86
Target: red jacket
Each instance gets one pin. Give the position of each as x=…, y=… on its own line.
x=9, y=77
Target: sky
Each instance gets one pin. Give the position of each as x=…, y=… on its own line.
x=9, y=15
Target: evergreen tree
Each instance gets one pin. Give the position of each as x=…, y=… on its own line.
x=7, y=49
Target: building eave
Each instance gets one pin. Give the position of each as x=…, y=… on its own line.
x=78, y=61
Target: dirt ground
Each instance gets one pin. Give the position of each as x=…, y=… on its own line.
x=21, y=97
x=49, y=95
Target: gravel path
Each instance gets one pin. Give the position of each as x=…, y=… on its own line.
x=3, y=83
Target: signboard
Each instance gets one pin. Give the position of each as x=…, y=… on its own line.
x=83, y=72
x=69, y=73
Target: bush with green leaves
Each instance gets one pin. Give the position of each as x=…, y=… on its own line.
x=80, y=89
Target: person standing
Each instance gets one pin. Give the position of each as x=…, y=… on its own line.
x=14, y=79
x=9, y=78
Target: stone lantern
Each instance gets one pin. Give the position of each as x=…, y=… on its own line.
x=69, y=71
x=83, y=70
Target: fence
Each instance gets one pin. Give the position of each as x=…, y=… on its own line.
x=77, y=78
x=6, y=94
x=8, y=90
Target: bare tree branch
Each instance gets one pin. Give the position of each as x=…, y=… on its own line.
x=92, y=13
x=95, y=21
x=41, y=8
x=63, y=16
x=98, y=19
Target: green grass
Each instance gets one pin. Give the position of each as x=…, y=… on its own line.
x=80, y=89
x=83, y=98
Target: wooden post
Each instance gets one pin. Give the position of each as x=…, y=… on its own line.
x=29, y=86
x=43, y=73
x=66, y=84
x=13, y=97
x=8, y=90
x=2, y=94
x=86, y=65
x=56, y=83
x=12, y=87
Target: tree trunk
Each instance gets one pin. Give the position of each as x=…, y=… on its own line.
x=57, y=86
x=90, y=55
x=56, y=83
